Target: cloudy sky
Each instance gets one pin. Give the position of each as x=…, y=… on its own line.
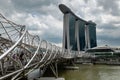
x=44, y=18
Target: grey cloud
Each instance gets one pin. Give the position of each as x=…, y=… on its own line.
x=97, y=12
x=115, y=22
x=53, y=39
x=107, y=26
x=51, y=36
x=109, y=40
x=86, y=1
x=110, y=6
x=32, y=5
x=38, y=7
x=33, y=28
x=6, y=7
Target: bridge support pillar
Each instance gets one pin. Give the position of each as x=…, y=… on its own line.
x=54, y=69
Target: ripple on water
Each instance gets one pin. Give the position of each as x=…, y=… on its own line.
x=93, y=72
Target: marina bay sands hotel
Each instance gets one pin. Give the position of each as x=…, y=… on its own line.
x=78, y=34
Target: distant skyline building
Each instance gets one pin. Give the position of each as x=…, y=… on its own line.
x=78, y=34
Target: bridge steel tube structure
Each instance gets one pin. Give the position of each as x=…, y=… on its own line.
x=22, y=52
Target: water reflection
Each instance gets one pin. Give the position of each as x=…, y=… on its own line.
x=92, y=72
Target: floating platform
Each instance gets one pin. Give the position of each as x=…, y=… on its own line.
x=49, y=78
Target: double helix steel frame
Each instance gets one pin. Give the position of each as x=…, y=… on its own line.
x=22, y=52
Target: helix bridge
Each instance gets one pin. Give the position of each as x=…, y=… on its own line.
x=20, y=51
